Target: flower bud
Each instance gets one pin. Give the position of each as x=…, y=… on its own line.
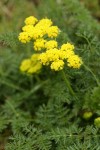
x=87, y=115
x=97, y=122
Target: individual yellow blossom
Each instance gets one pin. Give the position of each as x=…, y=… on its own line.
x=51, y=44
x=24, y=37
x=97, y=122
x=25, y=65
x=41, y=28
x=30, y=20
x=31, y=65
x=67, y=46
x=49, y=56
x=53, y=54
x=28, y=28
x=66, y=54
x=53, y=31
x=57, y=65
x=35, y=68
x=74, y=61
x=87, y=115
x=35, y=57
x=44, y=22
x=39, y=44
x=35, y=65
x=38, y=32
x=43, y=59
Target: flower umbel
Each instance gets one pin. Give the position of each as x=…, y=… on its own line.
x=51, y=44
x=31, y=65
x=39, y=44
x=30, y=20
x=42, y=33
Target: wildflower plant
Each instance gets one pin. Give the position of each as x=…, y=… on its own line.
x=44, y=34
x=47, y=51
x=49, y=77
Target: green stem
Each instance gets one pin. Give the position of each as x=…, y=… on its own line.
x=68, y=83
x=13, y=109
x=87, y=68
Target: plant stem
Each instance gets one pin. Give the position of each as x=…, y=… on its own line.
x=12, y=107
x=87, y=68
x=68, y=83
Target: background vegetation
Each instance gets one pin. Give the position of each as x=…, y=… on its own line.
x=38, y=112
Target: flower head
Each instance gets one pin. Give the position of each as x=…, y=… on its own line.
x=67, y=46
x=53, y=32
x=44, y=22
x=25, y=65
x=51, y=44
x=74, y=61
x=28, y=28
x=31, y=65
x=24, y=37
x=39, y=44
x=30, y=20
x=57, y=65
x=41, y=33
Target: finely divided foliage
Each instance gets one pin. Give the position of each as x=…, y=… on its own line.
x=50, y=78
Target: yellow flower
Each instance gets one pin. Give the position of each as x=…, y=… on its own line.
x=35, y=31
x=41, y=28
x=53, y=54
x=35, y=68
x=35, y=57
x=24, y=37
x=51, y=44
x=30, y=20
x=57, y=65
x=31, y=65
x=44, y=22
x=49, y=56
x=67, y=46
x=97, y=122
x=43, y=59
x=39, y=44
x=25, y=65
x=74, y=61
x=53, y=31
x=28, y=28
x=66, y=54
x=38, y=33
x=35, y=65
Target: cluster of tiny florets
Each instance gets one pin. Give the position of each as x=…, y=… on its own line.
x=31, y=65
x=35, y=29
x=44, y=33
x=57, y=58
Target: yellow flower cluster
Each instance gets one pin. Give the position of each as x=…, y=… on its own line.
x=30, y=20
x=56, y=58
x=49, y=54
x=51, y=44
x=57, y=65
x=35, y=29
x=41, y=44
x=31, y=65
